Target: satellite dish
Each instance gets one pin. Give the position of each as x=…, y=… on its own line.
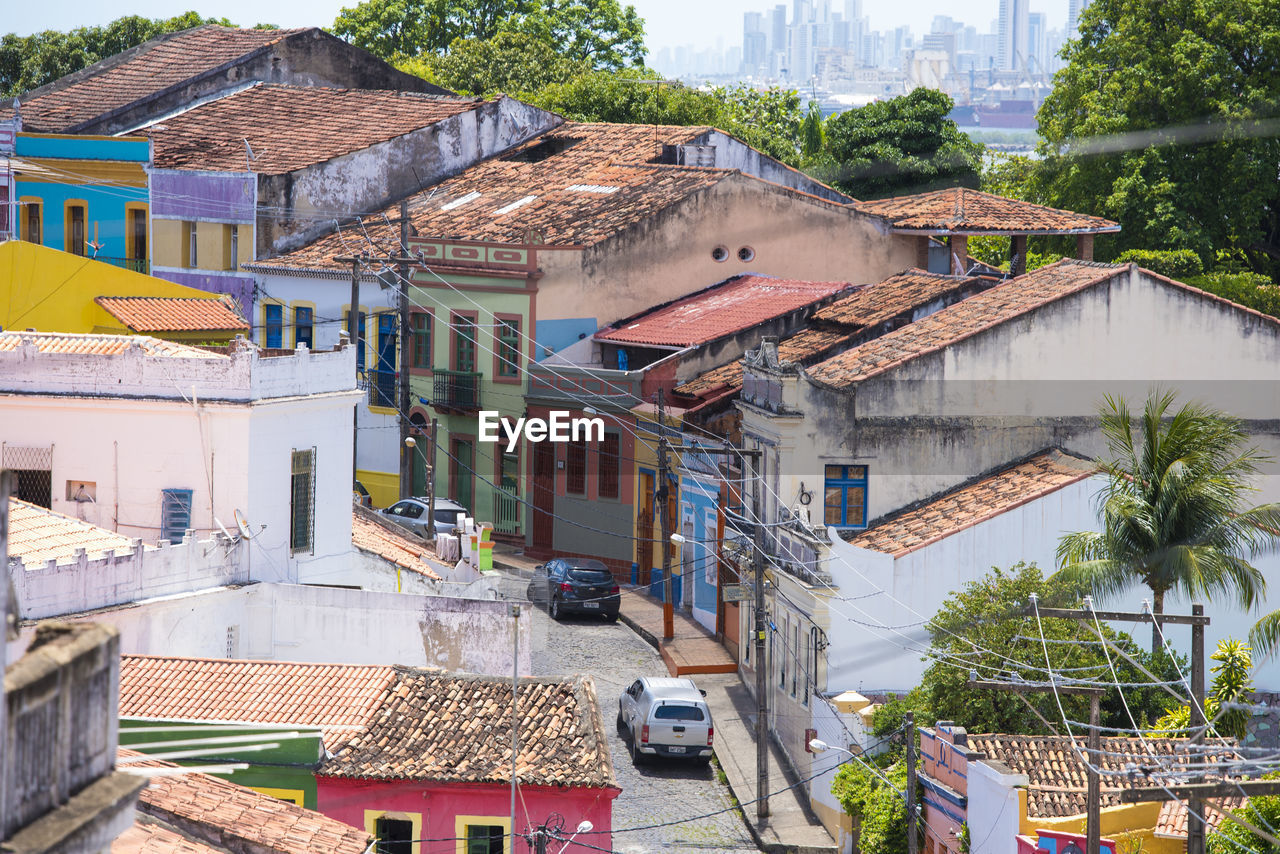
x=243, y=524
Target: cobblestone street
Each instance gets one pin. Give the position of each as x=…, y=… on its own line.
x=654, y=794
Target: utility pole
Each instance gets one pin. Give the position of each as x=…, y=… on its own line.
x=431, y=482
x=913, y=829
x=1197, y=620
x=1093, y=746
x=762, y=677
x=353, y=336
x=664, y=514
x=515, y=731
x=406, y=358
x=1195, y=805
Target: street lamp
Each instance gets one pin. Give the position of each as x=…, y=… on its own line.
x=678, y=539
x=583, y=827
x=817, y=745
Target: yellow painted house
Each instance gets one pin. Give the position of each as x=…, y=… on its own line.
x=49, y=290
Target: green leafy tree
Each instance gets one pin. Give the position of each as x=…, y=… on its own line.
x=1173, y=510
x=900, y=146
x=1231, y=838
x=766, y=119
x=28, y=62
x=601, y=33
x=510, y=62
x=982, y=629
x=881, y=812
x=812, y=134
x=1249, y=289
x=1231, y=686
x=1161, y=121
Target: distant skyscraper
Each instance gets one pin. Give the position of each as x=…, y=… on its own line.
x=1012, y=35
x=1074, y=8
x=1036, y=41
x=755, y=44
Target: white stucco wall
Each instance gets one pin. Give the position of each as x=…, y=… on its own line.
x=994, y=808
x=288, y=622
x=222, y=427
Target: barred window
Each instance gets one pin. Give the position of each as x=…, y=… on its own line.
x=576, y=468
x=302, y=502
x=175, y=514
x=608, y=480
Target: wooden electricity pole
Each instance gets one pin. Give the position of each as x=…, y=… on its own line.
x=664, y=516
x=406, y=358
x=913, y=825
x=1093, y=746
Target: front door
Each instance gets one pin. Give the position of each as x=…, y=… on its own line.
x=544, y=494
x=462, y=475
x=384, y=381
x=644, y=528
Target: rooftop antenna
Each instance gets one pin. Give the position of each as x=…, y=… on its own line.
x=249, y=156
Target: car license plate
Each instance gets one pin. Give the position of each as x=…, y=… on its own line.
x=591, y=604
x=676, y=749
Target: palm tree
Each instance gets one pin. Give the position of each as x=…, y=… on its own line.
x=1172, y=514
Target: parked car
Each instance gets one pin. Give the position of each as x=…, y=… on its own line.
x=575, y=585
x=666, y=716
x=411, y=513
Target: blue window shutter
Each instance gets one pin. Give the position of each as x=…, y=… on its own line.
x=274, y=315
x=175, y=514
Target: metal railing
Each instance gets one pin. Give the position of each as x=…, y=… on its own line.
x=456, y=389
x=382, y=388
x=506, y=513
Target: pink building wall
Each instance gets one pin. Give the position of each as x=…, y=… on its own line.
x=944, y=768
x=437, y=806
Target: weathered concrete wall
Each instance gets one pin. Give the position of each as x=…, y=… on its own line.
x=668, y=255
x=374, y=177
x=310, y=58
x=1038, y=381
x=80, y=584
x=734, y=154
x=287, y=622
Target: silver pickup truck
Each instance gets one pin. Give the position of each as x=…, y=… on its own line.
x=665, y=716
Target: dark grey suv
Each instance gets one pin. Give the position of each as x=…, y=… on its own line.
x=575, y=585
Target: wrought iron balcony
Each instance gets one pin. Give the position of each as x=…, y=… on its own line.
x=382, y=388
x=458, y=391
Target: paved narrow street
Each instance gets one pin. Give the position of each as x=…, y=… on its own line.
x=654, y=794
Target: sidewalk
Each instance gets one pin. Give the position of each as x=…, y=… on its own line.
x=692, y=650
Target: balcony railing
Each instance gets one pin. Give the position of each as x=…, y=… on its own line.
x=137, y=265
x=382, y=388
x=506, y=513
x=457, y=390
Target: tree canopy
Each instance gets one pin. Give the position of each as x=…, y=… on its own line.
x=1173, y=511
x=27, y=62
x=982, y=629
x=1165, y=120
x=600, y=33
x=899, y=146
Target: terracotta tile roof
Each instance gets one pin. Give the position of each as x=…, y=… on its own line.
x=174, y=314
x=239, y=819
x=74, y=343
x=963, y=211
x=146, y=836
x=733, y=305
x=576, y=185
x=340, y=699
x=805, y=345
x=1173, y=816
x=290, y=127
x=450, y=727
x=137, y=73
x=896, y=295
x=976, y=501
x=1008, y=300
x=37, y=535
x=1056, y=776
x=378, y=539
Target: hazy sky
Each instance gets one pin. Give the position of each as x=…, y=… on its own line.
x=668, y=22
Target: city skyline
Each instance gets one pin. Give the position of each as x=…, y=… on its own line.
x=668, y=23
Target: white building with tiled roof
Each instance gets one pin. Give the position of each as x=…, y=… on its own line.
x=150, y=439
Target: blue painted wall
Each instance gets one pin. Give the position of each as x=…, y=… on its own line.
x=558, y=334
x=104, y=201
